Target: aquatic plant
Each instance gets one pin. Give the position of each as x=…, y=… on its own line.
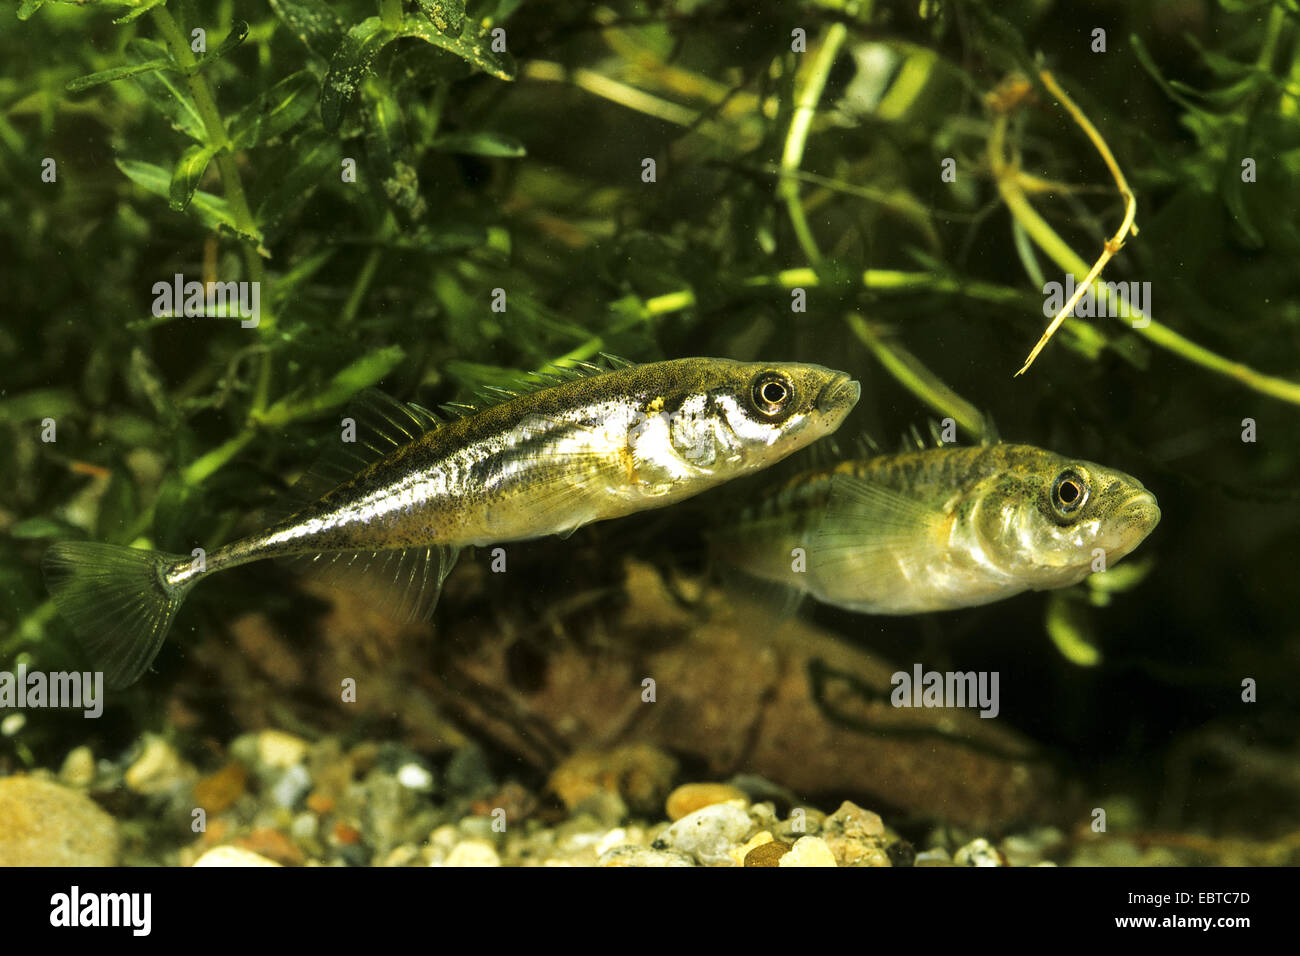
x=435, y=195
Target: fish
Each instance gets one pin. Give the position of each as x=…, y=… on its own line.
x=939, y=528
x=391, y=510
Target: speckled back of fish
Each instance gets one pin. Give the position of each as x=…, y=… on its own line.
x=940, y=528
x=396, y=505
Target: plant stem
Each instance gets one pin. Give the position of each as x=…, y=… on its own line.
x=215, y=127
x=1060, y=252
x=797, y=137
x=918, y=379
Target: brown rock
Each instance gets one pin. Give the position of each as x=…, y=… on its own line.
x=769, y=854
x=639, y=773
x=690, y=797
x=856, y=837
x=216, y=792
x=46, y=824
x=272, y=844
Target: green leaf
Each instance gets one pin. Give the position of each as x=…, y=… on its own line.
x=447, y=15
x=238, y=33
x=140, y=11
x=481, y=144
x=1070, y=628
x=349, y=65
x=212, y=211
x=118, y=507
x=41, y=527
x=119, y=73
x=189, y=170
x=274, y=112
x=163, y=89
x=470, y=46
x=28, y=7
x=313, y=22
x=314, y=160
x=362, y=373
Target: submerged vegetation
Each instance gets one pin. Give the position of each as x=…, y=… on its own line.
x=435, y=196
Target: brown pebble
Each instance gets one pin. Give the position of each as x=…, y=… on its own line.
x=345, y=834
x=690, y=797
x=319, y=803
x=217, y=791
x=769, y=854
x=271, y=844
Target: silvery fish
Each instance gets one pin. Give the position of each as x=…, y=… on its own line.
x=940, y=528
x=398, y=503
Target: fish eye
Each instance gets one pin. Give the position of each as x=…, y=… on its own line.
x=1069, y=492
x=772, y=395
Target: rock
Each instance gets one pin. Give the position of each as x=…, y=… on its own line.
x=78, y=767
x=290, y=787
x=47, y=824
x=218, y=791
x=803, y=821
x=414, y=777
x=473, y=853
x=280, y=750
x=643, y=856
x=690, y=797
x=640, y=774
x=271, y=843
x=808, y=851
x=856, y=837
x=979, y=853
x=852, y=821
x=770, y=853
x=404, y=855
x=232, y=856
x=738, y=853
x=603, y=806
x=468, y=773
x=158, y=769
x=708, y=834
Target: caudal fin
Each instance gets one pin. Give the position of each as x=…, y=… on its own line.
x=118, y=602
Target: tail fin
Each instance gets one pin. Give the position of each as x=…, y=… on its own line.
x=117, y=600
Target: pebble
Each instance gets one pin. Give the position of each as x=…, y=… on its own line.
x=217, y=791
x=232, y=856
x=158, y=769
x=738, y=853
x=642, y=775
x=808, y=851
x=856, y=837
x=642, y=856
x=47, y=824
x=414, y=777
x=78, y=767
x=280, y=750
x=803, y=821
x=291, y=786
x=708, y=834
x=979, y=853
x=768, y=854
x=690, y=797
x=473, y=853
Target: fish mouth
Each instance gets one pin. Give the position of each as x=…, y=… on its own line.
x=840, y=393
x=1138, y=516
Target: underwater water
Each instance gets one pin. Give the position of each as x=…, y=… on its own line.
x=359, y=509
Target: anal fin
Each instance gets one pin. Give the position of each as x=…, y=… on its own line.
x=404, y=584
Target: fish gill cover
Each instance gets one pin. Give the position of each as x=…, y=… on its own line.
x=223, y=221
